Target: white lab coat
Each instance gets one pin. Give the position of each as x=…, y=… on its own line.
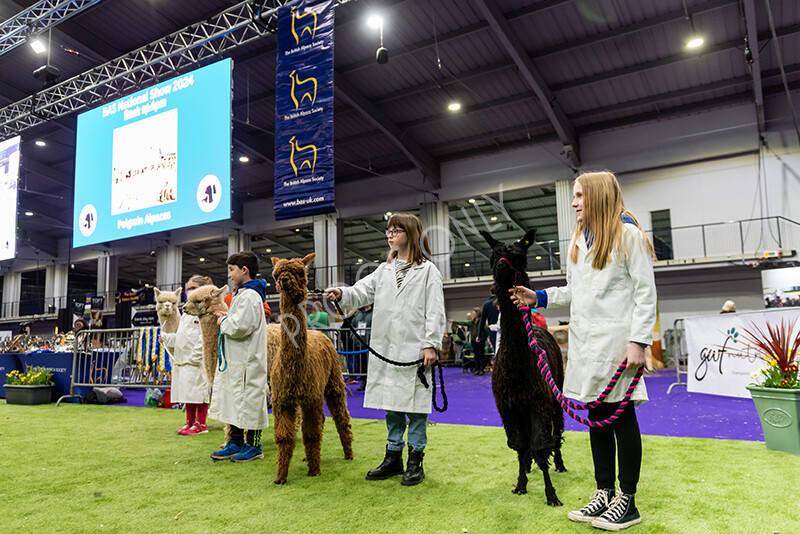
x=404, y=322
x=609, y=308
x=189, y=383
x=240, y=391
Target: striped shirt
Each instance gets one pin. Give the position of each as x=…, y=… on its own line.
x=400, y=270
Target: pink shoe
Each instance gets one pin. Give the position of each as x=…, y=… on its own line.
x=197, y=428
x=184, y=429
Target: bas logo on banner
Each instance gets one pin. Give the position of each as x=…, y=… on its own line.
x=297, y=82
x=309, y=26
x=312, y=163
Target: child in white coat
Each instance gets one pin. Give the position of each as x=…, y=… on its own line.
x=408, y=323
x=240, y=386
x=189, y=384
x=612, y=297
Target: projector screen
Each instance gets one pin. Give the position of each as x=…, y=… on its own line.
x=155, y=160
x=9, y=175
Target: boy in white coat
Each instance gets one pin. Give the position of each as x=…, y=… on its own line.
x=612, y=297
x=408, y=323
x=189, y=384
x=240, y=386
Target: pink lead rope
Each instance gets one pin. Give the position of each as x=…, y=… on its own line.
x=569, y=405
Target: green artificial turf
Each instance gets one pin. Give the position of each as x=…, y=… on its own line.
x=84, y=468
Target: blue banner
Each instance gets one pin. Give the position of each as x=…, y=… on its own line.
x=304, y=110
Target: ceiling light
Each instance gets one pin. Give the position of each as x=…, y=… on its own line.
x=268, y=284
x=388, y=213
x=375, y=21
x=37, y=45
x=538, y=257
x=297, y=229
x=244, y=159
x=454, y=106
x=466, y=265
x=269, y=250
x=494, y=218
x=695, y=42
x=29, y=213
x=40, y=143
x=360, y=260
x=472, y=201
x=202, y=259
x=556, y=253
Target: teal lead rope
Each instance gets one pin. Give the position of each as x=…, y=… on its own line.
x=223, y=363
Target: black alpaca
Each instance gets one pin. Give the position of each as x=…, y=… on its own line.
x=530, y=413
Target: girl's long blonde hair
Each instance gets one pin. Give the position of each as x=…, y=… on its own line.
x=602, y=211
x=419, y=249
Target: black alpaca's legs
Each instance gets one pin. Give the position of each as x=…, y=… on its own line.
x=559, y=463
x=558, y=433
x=543, y=461
x=525, y=460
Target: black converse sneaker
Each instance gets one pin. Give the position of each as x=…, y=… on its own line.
x=621, y=514
x=598, y=503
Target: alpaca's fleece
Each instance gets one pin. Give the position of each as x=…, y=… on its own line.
x=167, y=309
x=304, y=373
x=202, y=303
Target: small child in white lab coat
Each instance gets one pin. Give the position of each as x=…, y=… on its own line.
x=189, y=384
x=240, y=386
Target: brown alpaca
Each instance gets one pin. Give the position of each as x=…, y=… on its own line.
x=169, y=316
x=202, y=303
x=303, y=373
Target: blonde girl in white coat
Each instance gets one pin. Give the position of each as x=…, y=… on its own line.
x=408, y=323
x=189, y=384
x=612, y=297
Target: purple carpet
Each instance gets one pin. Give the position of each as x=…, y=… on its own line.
x=679, y=414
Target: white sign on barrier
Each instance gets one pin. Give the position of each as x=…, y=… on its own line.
x=719, y=361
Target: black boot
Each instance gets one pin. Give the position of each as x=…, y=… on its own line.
x=414, y=472
x=392, y=465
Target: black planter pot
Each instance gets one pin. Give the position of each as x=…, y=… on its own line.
x=28, y=394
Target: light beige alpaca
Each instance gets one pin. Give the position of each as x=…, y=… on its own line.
x=202, y=303
x=169, y=315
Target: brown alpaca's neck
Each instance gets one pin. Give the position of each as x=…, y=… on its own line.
x=294, y=334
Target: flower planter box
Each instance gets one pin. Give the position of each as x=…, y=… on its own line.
x=779, y=411
x=28, y=394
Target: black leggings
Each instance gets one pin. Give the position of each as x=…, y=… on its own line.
x=623, y=435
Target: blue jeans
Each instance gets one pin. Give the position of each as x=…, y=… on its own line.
x=417, y=430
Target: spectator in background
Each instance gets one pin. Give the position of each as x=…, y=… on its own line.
x=318, y=318
x=728, y=307
x=489, y=315
x=459, y=336
x=357, y=363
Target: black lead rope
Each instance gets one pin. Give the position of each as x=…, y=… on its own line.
x=420, y=369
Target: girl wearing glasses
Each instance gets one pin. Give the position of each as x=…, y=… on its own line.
x=408, y=323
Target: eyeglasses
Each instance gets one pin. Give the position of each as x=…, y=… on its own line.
x=394, y=232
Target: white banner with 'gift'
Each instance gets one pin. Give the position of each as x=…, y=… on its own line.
x=720, y=363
